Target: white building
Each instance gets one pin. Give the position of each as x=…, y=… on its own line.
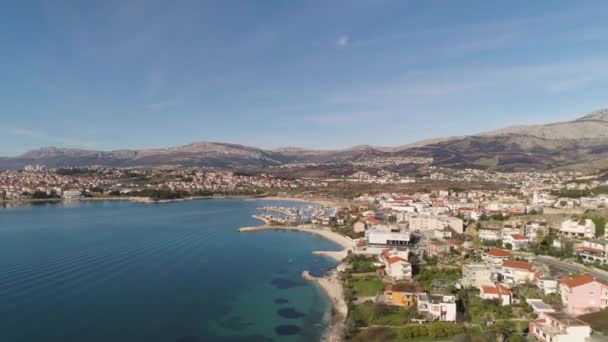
x=559, y=327
x=594, y=250
x=440, y=307
x=477, y=275
x=396, y=265
x=432, y=222
x=490, y=233
x=495, y=257
x=539, y=307
x=547, y=286
x=503, y=294
x=517, y=241
x=583, y=228
x=515, y=272
x=387, y=239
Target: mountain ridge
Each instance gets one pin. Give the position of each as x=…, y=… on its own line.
x=525, y=146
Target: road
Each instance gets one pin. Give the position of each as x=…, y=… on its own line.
x=571, y=267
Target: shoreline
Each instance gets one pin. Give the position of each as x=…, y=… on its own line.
x=333, y=287
x=321, y=201
x=330, y=282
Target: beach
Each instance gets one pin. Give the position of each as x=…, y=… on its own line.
x=330, y=282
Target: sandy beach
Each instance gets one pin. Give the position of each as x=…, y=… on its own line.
x=342, y=240
x=330, y=282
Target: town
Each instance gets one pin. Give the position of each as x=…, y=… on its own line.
x=524, y=258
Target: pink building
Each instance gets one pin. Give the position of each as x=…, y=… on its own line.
x=583, y=294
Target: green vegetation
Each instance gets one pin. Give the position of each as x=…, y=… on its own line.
x=599, y=220
x=365, y=286
x=572, y=193
x=597, y=320
x=481, y=311
x=43, y=195
x=436, y=331
x=361, y=263
x=161, y=194
x=438, y=278
x=544, y=246
x=578, y=193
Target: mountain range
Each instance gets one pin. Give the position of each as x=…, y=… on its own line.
x=577, y=144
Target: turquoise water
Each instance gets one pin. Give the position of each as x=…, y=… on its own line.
x=121, y=271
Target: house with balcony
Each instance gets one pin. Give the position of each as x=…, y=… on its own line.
x=593, y=251
x=514, y=272
x=517, y=241
x=495, y=257
x=578, y=228
x=559, y=327
x=477, y=275
x=401, y=294
x=583, y=294
x=490, y=233
x=437, y=306
x=396, y=265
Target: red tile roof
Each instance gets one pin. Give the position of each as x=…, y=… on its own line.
x=577, y=281
x=500, y=253
x=403, y=288
x=517, y=264
x=395, y=259
x=498, y=290
x=518, y=237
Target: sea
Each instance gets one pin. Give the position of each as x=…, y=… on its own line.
x=167, y=272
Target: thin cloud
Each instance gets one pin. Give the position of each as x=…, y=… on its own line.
x=342, y=41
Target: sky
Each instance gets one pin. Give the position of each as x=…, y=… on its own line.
x=320, y=74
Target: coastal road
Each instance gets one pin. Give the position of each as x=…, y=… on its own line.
x=571, y=267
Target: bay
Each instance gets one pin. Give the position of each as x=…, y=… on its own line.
x=122, y=271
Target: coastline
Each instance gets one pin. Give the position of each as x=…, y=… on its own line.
x=321, y=201
x=330, y=282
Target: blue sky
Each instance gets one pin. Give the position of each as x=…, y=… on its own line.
x=321, y=74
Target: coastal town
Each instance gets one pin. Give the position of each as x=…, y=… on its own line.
x=482, y=265
x=465, y=255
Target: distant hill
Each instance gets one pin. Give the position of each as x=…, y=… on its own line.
x=577, y=144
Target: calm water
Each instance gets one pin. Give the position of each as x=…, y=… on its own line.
x=119, y=271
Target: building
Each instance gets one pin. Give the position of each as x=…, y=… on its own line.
x=583, y=294
x=517, y=241
x=401, y=294
x=515, y=272
x=477, y=275
x=382, y=238
x=438, y=307
x=559, y=327
x=547, y=286
x=437, y=248
x=359, y=227
x=490, y=233
x=503, y=294
x=578, y=228
x=432, y=222
x=495, y=257
x=539, y=307
x=534, y=229
x=396, y=265
x=594, y=250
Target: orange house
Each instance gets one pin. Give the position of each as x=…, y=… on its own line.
x=401, y=294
